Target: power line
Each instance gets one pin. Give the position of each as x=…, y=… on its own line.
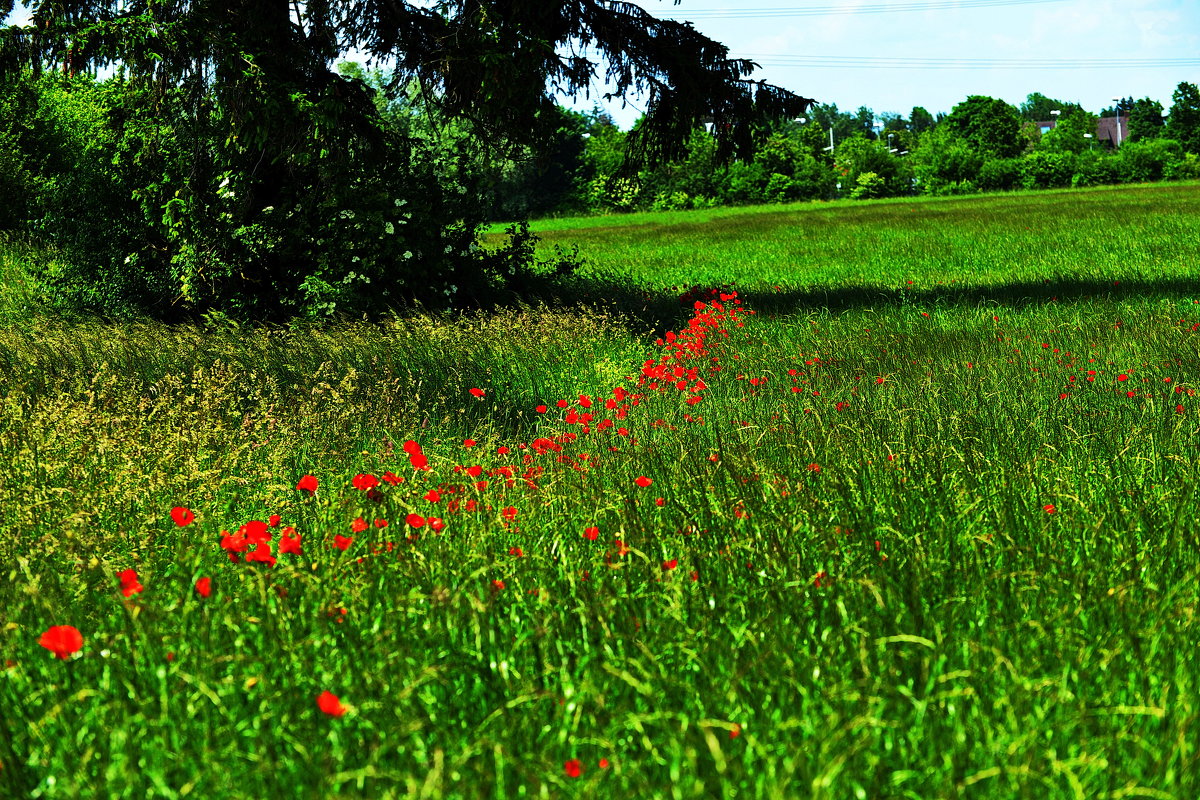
x=886, y=62
x=831, y=10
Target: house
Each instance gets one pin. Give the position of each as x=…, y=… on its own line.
x=1106, y=129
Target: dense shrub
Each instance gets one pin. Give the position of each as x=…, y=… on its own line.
x=859, y=155
x=1000, y=175
x=943, y=163
x=868, y=186
x=1043, y=170
x=1148, y=160
x=744, y=183
x=1186, y=168
x=1095, y=169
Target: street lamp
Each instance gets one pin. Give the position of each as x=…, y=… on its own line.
x=1054, y=122
x=1091, y=144
x=1117, y=100
x=890, y=148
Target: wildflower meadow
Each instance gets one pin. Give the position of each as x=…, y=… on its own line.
x=879, y=500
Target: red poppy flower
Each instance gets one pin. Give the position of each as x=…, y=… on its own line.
x=497, y=585
x=261, y=554
x=364, y=482
x=1049, y=508
x=469, y=442
x=392, y=478
x=604, y=763
x=672, y=564
x=436, y=524
x=129, y=582
x=204, y=587
x=289, y=541
x=415, y=520
x=381, y=523
x=419, y=461
x=509, y=513
x=359, y=525
x=342, y=542
x=62, y=640
x=516, y=552
x=643, y=481
x=477, y=392
x=540, y=409
x=307, y=484
x=274, y=520
x=573, y=768
x=591, y=533
x=255, y=532
x=329, y=703
x=433, y=496
x=182, y=516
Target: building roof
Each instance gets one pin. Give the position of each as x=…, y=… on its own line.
x=1106, y=129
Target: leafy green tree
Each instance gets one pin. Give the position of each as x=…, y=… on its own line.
x=1184, y=123
x=1123, y=106
x=861, y=155
x=920, y=120
x=827, y=117
x=1146, y=120
x=892, y=122
x=946, y=163
x=268, y=184
x=864, y=122
x=1037, y=107
x=1070, y=133
x=814, y=141
x=991, y=126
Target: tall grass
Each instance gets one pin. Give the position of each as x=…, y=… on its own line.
x=912, y=540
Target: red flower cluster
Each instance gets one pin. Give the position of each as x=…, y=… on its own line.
x=252, y=541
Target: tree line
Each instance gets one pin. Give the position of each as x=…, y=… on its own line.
x=984, y=144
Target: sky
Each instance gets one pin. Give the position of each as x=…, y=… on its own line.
x=892, y=55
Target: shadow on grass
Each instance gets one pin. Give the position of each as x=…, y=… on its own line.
x=670, y=307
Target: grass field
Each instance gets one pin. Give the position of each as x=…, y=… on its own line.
x=877, y=500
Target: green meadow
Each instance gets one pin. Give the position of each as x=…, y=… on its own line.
x=894, y=499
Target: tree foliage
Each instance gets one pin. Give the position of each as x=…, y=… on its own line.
x=269, y=184
x=991, y=126
x=1037, y=107
x=1146, y=120
x=1184, y=123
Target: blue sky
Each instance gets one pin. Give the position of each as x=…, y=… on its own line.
x=851, y=53
x=934, y=53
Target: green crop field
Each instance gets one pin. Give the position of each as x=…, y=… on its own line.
x=877, y=500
